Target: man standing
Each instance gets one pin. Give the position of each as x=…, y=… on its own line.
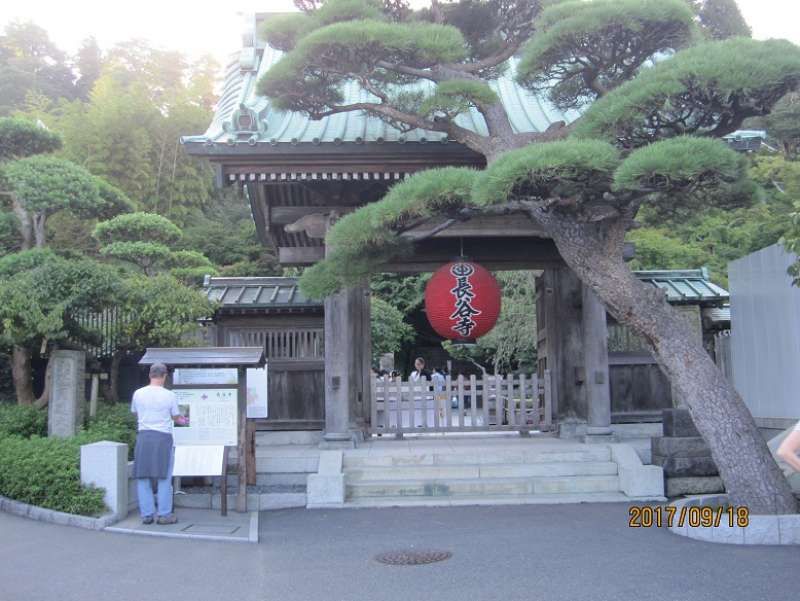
x=156, y=409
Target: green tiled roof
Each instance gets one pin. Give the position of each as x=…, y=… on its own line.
x=685, y=286
x=528, y=112
x=272, y=293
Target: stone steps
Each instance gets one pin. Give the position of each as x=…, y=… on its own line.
x=488, y=470
x=480, y=486
x=355, y=460
x=538, y=499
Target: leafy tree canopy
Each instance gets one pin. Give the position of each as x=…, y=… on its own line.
x=389, y=331
x=579, y=44
x=704, y=90
x=41, y=293
x=46, y=184
x=160, y=311
x=21, y=138
x=133, y=227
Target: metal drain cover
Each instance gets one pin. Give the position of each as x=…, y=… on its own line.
x=412, y=558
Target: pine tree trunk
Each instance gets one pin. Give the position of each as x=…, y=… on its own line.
x=25, y=226
x=751, y=475
x=22, y=376
x=44, y=398
x=39, y=232
x=113, y=378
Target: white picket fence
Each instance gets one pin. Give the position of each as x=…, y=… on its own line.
x=495, y=402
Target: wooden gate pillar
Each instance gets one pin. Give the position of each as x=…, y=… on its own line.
x=595, y=359
x=560, y=341
x=345, y=380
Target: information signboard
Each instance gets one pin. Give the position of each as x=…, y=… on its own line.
x=212, y=414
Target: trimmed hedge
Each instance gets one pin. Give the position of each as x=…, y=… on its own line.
x=22, y=420
x=46, y=471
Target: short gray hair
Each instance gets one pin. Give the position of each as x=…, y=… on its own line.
x=158, y=370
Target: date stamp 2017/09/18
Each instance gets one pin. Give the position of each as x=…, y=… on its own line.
x=647, y=516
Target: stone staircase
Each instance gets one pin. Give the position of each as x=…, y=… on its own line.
x=512, y=474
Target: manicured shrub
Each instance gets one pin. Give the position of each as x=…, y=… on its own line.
x=46, y=472
x=22, y=420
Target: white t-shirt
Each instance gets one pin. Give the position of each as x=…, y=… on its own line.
x=154, y=407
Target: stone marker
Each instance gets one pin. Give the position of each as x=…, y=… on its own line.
x=67, y=393
x=104, y=464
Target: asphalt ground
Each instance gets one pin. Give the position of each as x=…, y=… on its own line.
x=511, y=553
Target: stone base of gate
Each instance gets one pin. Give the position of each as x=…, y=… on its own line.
x=481, y=469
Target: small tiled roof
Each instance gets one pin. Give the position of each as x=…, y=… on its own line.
x=217, y=356
x=271, y=293
x=686, y=286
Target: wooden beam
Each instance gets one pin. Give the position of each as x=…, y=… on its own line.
x=307, y=255
x=485, y=226
x=287, y=215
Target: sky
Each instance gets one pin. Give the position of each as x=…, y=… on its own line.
x=204, y=27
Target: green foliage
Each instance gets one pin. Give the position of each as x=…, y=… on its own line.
x=21, y=138
x=565, y=168
x=703, y=90
x=24, y=261
x=145, y=255
x=114, y=422
x=190, y=266
x=114, y=201
x=582, y=49
x=404, y=292
x=713, y=236
x=133, y=227
x=721, y=19
x=783, y=123
x=160, y=311
x=389, y=331
x=9, y=233
x=40, y=299
x=681, y=165
x=454, y=97
x=308, y=77
x=46, y=184
x=365, y=239
x=22, y=420
x=46, y=472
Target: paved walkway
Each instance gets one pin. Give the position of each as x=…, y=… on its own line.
x=518, y=553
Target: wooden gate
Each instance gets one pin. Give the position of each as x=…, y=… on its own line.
x=491, y=403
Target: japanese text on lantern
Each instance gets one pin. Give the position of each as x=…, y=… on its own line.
x=463, y=294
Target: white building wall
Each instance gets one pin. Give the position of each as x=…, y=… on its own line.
x=765, y=336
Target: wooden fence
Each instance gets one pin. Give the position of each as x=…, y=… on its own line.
x=491, y=403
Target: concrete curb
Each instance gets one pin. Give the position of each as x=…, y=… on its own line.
x=50, y=516
x=252, y=535
x=761, y=529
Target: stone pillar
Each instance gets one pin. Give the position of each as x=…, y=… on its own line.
x=690, y=313
x=105, y=465
x=344, y=366
x=595, y=361
x=67, y=393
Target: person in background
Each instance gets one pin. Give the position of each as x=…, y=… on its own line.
x=419, y=370
x=789, y=448
x=156, y=410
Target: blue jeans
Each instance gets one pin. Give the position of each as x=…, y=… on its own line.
x=144, y=490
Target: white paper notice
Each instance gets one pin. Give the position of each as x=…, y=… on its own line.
x=198, y=460
x=257, y=393
x=192, y=375
x=212, y=414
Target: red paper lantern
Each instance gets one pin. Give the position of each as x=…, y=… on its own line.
x=462, y=301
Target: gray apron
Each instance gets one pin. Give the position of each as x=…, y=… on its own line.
x=152, y=454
